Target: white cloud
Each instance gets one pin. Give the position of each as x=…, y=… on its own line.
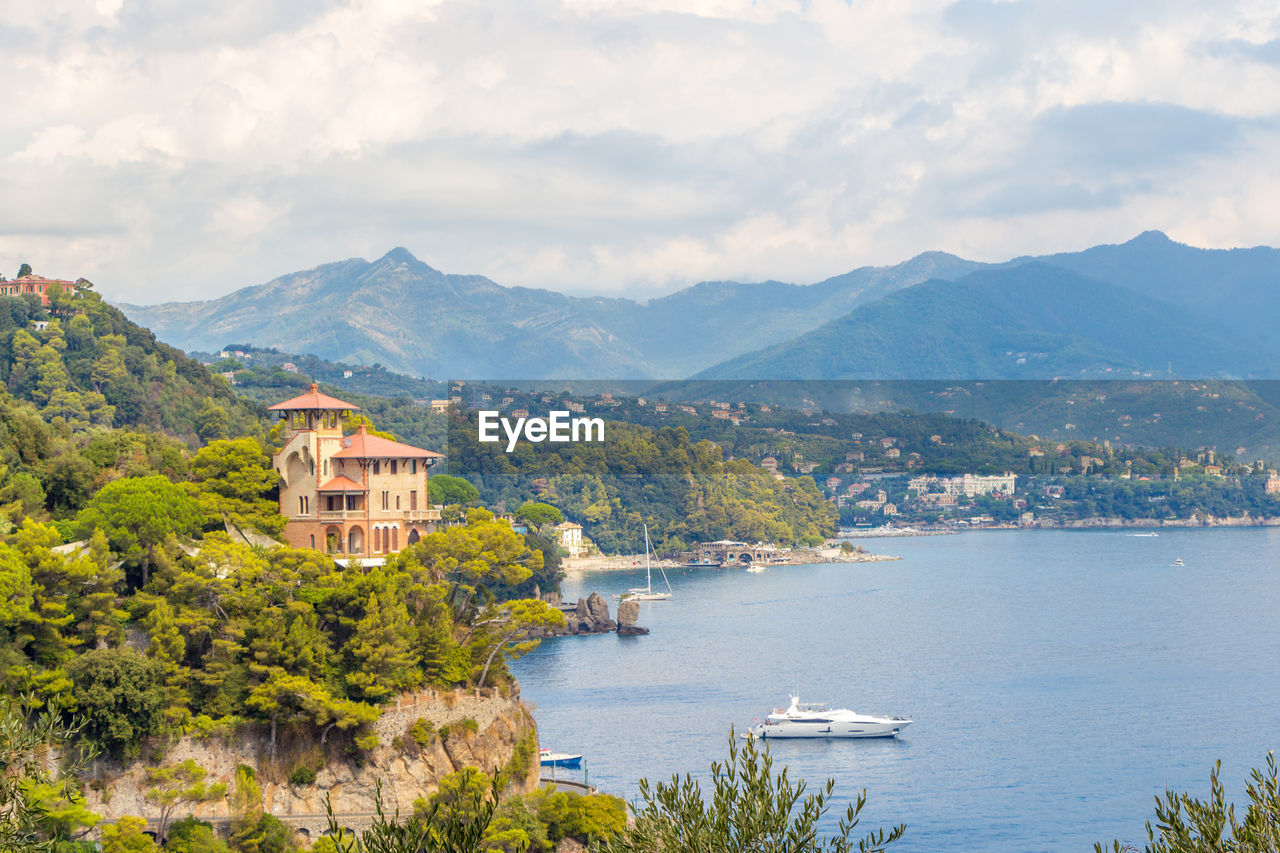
x=622, y=146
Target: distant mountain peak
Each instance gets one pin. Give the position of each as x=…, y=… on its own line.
x=400, y=255
x=1152, y=237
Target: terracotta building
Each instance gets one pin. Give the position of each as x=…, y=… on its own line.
x=36, y=285
x=359, y=494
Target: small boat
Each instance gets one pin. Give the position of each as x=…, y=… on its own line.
x=547, y=758
x=1145, y=534
x=1178, y=562
x=754, y=568
x=646, y=592
x=817, y=719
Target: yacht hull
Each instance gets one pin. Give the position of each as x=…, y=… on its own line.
x=829, y=730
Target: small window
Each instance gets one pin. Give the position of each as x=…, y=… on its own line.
x=386, y=500
x=413, y=500
x=313, y=541
x=413, y=466
x=394, y=465
x=377, y=466
x=397, y=501
x=395, y=539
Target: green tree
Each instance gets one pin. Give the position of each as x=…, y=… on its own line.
x=446, y=825
x=140, y=513
x=63, y=814
x=176, y=785
x=25, y=269
x=211, y=420
x=127, y=835
x=233, y=481
x=484, y=551
x=539, y=514
x=191, y=835
x=120, y=696
x=283, y=697
x=446, y=489
x=1185, y=824
x=381, y=650
x=749, y=809
x=513, y=629
x=39, y=760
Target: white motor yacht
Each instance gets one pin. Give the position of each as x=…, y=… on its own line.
x=812, y=719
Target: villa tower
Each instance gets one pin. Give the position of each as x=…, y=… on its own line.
x=358, y=495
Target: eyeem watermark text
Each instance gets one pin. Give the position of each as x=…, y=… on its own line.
x=559, y=427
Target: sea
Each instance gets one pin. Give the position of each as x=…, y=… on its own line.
x=1058, y=680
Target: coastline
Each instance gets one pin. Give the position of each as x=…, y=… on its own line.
x=634, y=562
x=1094, y=523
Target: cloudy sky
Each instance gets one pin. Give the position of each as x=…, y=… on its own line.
x=170, y=149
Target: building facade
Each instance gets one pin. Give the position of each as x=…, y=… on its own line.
x=36, y=286
x=570, y=537
x=358, y=495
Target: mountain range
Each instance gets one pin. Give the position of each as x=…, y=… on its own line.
x=1149, y=306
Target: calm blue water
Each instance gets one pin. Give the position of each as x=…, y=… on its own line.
x=1058, y=680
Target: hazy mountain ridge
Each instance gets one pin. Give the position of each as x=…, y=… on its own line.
x=1034, y=321
x=410, y=317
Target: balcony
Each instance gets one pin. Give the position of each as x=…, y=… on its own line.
x=340, y=514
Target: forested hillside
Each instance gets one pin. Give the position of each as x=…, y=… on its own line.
x=685, y=491
x=83, y=364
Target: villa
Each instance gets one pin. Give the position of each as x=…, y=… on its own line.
x=359, y=495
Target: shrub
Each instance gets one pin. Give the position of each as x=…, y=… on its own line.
x=749, y=809
x=304, y=775
x=1185, y=824
x=423, y=731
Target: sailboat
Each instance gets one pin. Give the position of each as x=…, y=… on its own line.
x=646, y=592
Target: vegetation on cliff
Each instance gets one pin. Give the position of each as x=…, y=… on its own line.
x=83, y=364
x=224, y=633
x=685, y=491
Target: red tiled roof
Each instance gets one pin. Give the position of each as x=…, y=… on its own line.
x=342, y=484
x=313, y=399
x=365, y=446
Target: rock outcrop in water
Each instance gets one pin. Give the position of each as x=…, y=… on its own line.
x=628, y=612
x=591, y=616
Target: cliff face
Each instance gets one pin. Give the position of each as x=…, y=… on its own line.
x=407, y=770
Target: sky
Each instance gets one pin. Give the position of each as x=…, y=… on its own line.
x=177, y=150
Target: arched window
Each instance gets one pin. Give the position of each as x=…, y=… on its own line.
x=395, y=539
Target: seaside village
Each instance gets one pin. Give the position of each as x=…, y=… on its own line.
x=364, y=496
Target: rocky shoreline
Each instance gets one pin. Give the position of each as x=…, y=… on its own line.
x=590, y=615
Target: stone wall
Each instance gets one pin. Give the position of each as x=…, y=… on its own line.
x=406, y=770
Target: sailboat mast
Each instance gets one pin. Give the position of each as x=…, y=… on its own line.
x=648, y=574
